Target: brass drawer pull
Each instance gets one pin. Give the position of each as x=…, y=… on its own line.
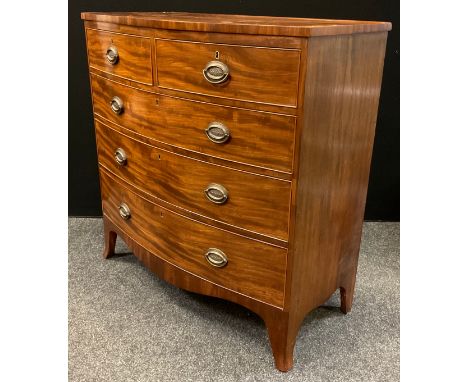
x=116, y=105
x=217, y=132
x=120, y=157
x=124, y=211
x=216, y=193
x=216, y=258
x=112, y=55
x=216, y=72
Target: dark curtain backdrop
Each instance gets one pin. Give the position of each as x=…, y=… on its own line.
x=383, y=200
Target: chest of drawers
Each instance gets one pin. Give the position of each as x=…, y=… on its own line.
x=234, y=153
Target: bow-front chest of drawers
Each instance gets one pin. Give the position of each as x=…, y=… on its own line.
x=234, y=153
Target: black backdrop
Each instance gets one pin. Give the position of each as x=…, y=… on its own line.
x=383, y=200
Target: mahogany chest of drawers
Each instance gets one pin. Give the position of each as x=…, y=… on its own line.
x=234, y=153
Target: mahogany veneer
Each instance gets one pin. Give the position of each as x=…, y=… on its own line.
x=234, y=153
x=181, y=180
x=152, y=115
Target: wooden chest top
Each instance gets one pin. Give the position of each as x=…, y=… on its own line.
x=267, y=25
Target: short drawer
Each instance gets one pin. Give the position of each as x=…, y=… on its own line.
x=252, y=202
x=256, y=138
x=257, y=74
x=122, y=55
x=231, y=261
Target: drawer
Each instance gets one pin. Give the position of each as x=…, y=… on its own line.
x=255, y=203
x=257, y=74
x=122, y=55
x=257, y=138
x=253, y=268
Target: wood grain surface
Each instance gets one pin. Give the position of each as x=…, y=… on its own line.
x=266, y=25
x=196, y=155
x=336, y=147
x=257, y=138
x=134, y=61
x=181, y=181
x=340, y=110
x=261, y=75
x=254, y=106
x=254, y=269
x=231, y=39
x=210, y=38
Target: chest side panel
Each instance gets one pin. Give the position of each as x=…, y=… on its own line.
x=341, y=99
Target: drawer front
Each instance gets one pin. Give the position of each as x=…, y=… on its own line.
x=256, y=138
x=253, y=268
x=256, y=203
x=121, y=55
x=265, y=75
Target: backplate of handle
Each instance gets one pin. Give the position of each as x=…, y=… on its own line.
x=120, y=156
x=216, y=257
x=124, y=211
x=217, y=132
x=216, y=72
x=216, y=193
x=116, y=105
x=112, y=55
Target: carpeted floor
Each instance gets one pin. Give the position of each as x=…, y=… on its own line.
x=127, y=325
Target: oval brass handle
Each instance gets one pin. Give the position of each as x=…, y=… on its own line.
x=112, y=55
x=116, y=105
x=216, y=257
x=120, y=157
x=216, y=72
x=216, y=193
x=124, y=211
x=217, y=132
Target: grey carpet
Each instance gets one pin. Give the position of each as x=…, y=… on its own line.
x=127, y=325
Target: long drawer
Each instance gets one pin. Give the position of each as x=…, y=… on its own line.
x=256, y=138
x=246, y=266
x=253, y=202
x=248, y=73
x=120, y=55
